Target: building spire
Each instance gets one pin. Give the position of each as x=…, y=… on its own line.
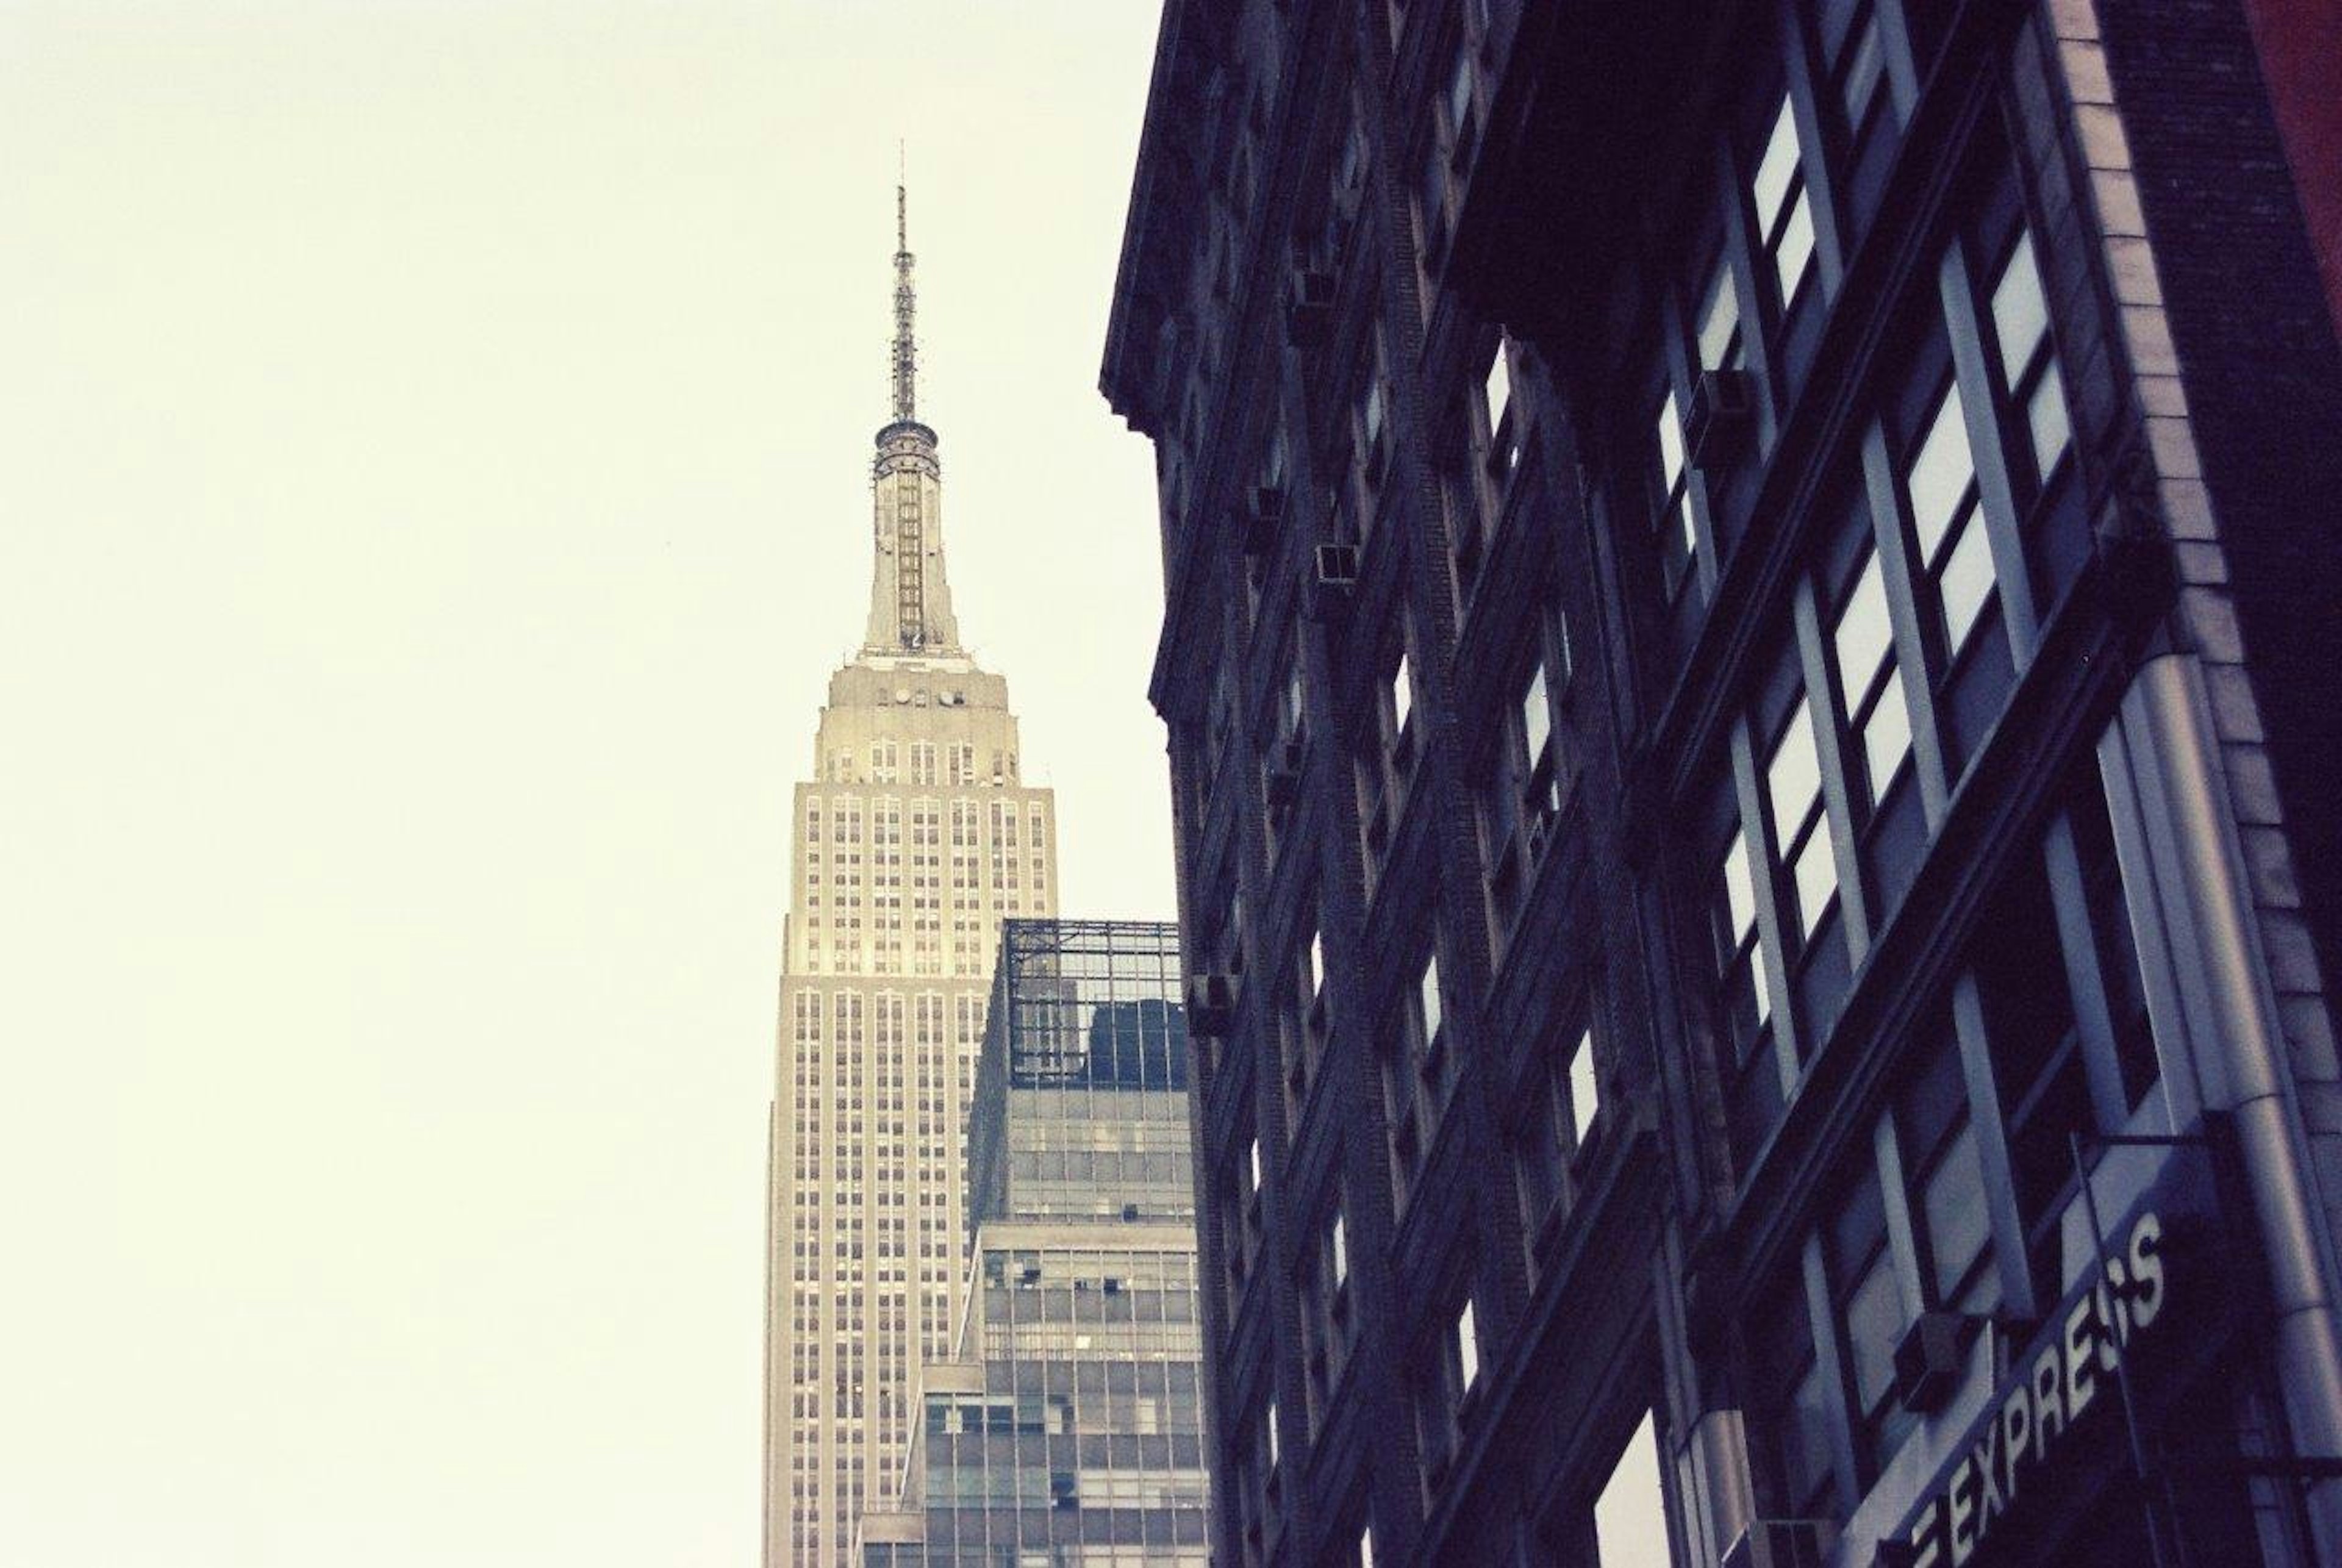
x=910, y=605
x=907, y=358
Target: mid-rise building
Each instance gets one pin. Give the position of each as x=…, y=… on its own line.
x=1065, y=1426
x=914, y=838
x=1749, y=645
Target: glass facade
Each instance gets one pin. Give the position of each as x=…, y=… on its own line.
x=1066, y=1428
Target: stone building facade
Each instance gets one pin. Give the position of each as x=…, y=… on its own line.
x=913, y=840
x=1749, y=634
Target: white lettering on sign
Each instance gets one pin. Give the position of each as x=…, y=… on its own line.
x=2036, y=1409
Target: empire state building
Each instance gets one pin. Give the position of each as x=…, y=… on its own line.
x=915, y=837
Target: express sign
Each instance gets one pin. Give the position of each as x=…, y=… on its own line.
x=2065, y=1373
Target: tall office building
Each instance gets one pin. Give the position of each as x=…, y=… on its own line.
x=913, y=839
x=1067, y=1426
x=1750, y=656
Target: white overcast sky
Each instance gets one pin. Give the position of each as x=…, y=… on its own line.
x=433, y=494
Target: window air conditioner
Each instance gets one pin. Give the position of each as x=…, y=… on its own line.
x=1782, y=1543
x=1334, y=582
x=1309, y=308
x=1211, y=1004
x=1928, y=1361
x=1723, y=413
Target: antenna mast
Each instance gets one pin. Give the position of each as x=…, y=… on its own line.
x=906, y=351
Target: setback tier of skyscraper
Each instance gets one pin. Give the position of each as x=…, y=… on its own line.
x=1750, y=655
x=913, y=840
x=1065, y=1427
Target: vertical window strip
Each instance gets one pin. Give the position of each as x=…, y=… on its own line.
x=1954, y=548
x=1783, y=213
x=1877, y=714
x=2020, y=318
x=1800, y=822
x=1678, y=546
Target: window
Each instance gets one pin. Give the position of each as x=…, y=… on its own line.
x=1867, y=1305
x=1467, y=1347
x=1585, y=1086
x=1793, y=1404
x=1562, y=1107
x=2037, y=1063
x=1785, y=217
x=1947, y=521
x=1305, y=1029
x=1741, y=1004
x=1671, y=521
x=1876, y=717
x=1450, y=1369
x=1382, y=772
x=1951, y=1227
x=1800, y=823
x=1719, y=321
x=1325, y=1325
x=1418, y=1070
x=2028, y=357
x=1496, y=394
x=1739, y=956
x=1523, y=796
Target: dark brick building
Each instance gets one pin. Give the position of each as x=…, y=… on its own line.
x=1751, y=609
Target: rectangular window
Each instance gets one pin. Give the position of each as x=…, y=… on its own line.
x=1498, y=395
x=1785, y=217
x=1793, y=1401
x=1867, y=1301
x=2037, y=1063
x=1585, y=1086
x=1672, y=522
x=1800, y=823
x=1719, y=321
x=1742, y=1002
x=1418, y=1070
x=1467, y=1348
x=1947, y=523
x=1739, y=956
x=1876, y=716
x=2028, y=357
x=1950, y=1224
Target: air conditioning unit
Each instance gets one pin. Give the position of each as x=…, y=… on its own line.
x=1335, y=583
x=1309, y=308
x=1782, y=1543
x=1723, y=414
x=1284, y=774
x=1261, y=517
x=1928, y=1361
x=1211, y=1004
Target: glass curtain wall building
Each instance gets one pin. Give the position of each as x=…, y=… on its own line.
x=1066, y=1429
